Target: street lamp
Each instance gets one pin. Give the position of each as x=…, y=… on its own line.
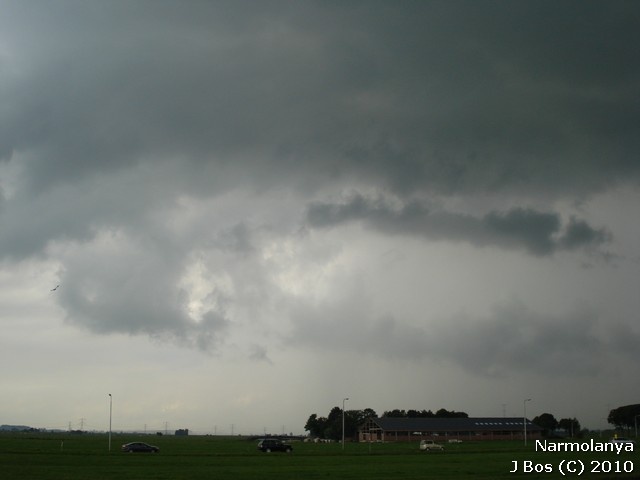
x=524, y=405
x=110, y=411
x=343, y=400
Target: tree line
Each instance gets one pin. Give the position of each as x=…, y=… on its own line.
x=550, y=425
x=625, y=417
x=442, y=413
x=330, y=427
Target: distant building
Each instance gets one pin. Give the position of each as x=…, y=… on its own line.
x=393, y=429
x=16, y=428
x=183, y=432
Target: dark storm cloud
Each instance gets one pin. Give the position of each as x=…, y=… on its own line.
x=513, y=338
x=540, y=233
x=112, y=113
x=450, y=96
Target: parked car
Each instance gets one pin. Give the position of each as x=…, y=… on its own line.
x=622, y=440
x=274, y=445
x=430, y=445
x=139, y=447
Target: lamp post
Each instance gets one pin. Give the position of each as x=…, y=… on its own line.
x=343, y=400
x=524, y=420
x=110, y=412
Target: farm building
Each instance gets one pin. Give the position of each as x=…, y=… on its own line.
x=391, y=429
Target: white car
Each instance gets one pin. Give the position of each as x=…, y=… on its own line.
x=429, y=445
x=622, y=440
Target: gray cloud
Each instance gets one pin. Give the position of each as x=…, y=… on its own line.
x=259, y=354
x=119, y=285
x=516, y=338
x=539, y=233
x=579, y=234
x=113, y=114
x=513, y=338
x=175, y=166
x=376, y=93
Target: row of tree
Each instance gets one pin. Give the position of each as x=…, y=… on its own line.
x=330, y=427
x=625, y=417
x=442, y=413
x=570, y=426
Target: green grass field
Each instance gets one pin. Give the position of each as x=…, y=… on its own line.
x=73, y=457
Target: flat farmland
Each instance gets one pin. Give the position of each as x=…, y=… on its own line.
x=73, y=457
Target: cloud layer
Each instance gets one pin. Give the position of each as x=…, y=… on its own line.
x=216, y=175
x=539, y=233
x=389, y=95
x=108, y=142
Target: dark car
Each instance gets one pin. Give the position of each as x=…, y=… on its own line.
x=274, y=445
x=139, y=447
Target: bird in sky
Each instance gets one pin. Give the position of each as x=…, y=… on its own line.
x=55, y=288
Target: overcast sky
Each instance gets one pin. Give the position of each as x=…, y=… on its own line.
x=254, y=209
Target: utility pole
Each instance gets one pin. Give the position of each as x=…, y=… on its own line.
x=525, y=419
x=110, y=416
x=343, y=400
